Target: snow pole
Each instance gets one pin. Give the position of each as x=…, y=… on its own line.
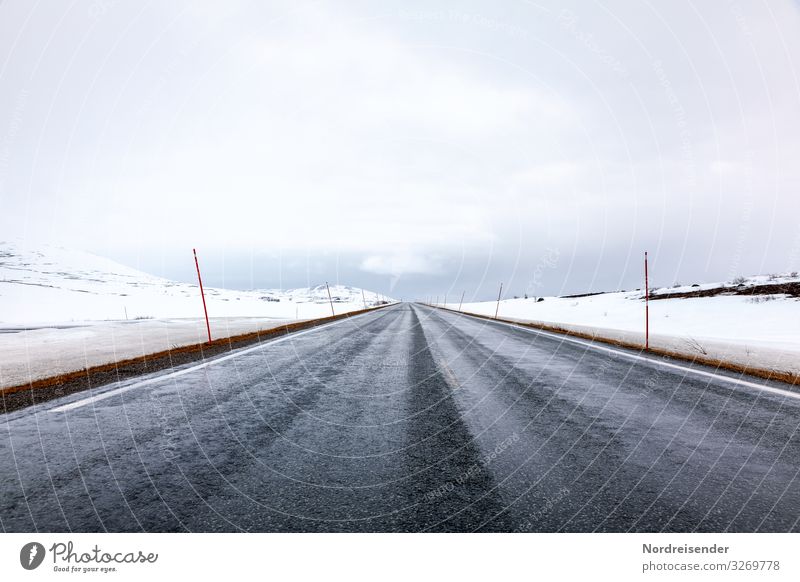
x=444, y=303
x=460, y=303
x=364, y=299
x=330, y=298
x=202, y=294
x=497, y=310
x=646, y=305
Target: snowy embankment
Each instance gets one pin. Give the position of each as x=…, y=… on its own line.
x=740, y=323
x=64, y=310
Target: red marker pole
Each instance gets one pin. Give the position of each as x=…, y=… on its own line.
x=646, y=305
x=202, y=294
x=329, y=298
x=496, y=311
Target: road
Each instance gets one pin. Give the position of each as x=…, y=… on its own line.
x=409, y=419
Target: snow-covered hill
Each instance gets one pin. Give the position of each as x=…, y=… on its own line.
x=48, y=284
x=752, y=321
x=62, y=310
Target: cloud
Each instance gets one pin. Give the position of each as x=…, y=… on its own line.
x=402, y=141
x=401, y=263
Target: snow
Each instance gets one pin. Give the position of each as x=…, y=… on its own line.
x=41, y=352
x=751, y=331
x=55, y=285
x=63, y=310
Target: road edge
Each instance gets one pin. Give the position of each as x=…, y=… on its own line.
x=43, y=389
x=764, y=373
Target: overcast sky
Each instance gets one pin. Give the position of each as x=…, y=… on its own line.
x=413, y=148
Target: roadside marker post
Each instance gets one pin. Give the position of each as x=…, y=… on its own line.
x=202, y=293
x=497, y=310
x=330, y=298
x=646, y=305
x=364, y=299
x=460, y=303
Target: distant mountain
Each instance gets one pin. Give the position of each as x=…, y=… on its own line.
x=52, y=284
x=339, y=293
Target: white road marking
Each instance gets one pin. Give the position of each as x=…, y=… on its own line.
x=261, y=345
x=651, y=360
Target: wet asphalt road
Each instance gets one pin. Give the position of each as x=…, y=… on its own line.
x=409, y=419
